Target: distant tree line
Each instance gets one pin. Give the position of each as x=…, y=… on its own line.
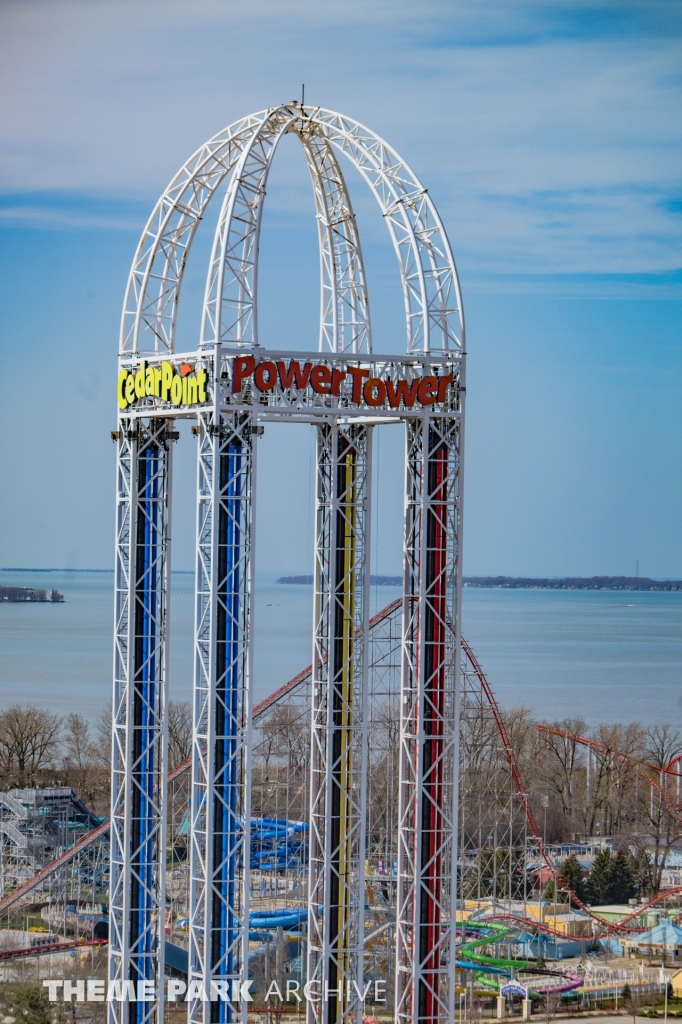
x=531, y=582
x=573, y=583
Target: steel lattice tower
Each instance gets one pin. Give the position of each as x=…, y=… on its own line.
x=139, y=724
x=231, y=386
x=427, y=852
x=339, y=712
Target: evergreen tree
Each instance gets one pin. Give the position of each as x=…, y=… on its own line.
x=599, y=883
x=30, y=1005
x=623, y=881
x=612, y=879
x=570, y=876
x=631, y=1001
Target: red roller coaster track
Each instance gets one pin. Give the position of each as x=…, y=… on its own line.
x=298, y=680
x=103, y=828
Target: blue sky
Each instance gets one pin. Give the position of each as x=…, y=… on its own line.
x=549, y=137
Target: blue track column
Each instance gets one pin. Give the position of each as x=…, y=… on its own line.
x=137, y=901
x=220, y=851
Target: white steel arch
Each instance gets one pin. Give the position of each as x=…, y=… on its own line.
x=230, y=307
x=344, y=302
x=434, y=316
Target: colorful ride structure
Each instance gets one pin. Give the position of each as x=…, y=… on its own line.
x=379, y=785
x=230, y=385
x=495, y=924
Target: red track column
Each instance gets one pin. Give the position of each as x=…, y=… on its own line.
x=427, y=844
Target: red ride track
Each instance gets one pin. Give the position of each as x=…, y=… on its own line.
x=624, y=758
x=299, y=680
x=55, y=947
x=609, y=926
x=103, y=828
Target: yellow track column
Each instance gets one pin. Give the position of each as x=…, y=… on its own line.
x=339, y=755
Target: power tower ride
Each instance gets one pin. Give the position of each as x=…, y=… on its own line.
x=230, y=385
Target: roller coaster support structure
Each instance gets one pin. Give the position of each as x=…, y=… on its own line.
x=429, y=730
x=137, y=899
x=229, y=386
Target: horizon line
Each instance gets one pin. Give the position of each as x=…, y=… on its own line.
x=190, y=572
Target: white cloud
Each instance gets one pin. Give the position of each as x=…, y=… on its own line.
x=549, y=134
x=45, y=217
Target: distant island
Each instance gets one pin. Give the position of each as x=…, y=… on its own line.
x=31, y=595
x=533, y=583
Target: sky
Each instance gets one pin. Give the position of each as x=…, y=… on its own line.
x=549, y=136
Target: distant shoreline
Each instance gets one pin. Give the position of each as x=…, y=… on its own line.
x=532, y=583
x=590, y=583
x=573, y=583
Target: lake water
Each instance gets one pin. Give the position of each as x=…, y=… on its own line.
x=607, y=656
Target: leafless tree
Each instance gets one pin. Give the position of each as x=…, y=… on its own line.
x=104, y=723
x=77, y=741
x=281, y=760
x=80, y=754
x=632, y=1000
x=179, y=731
x=564, y=771
x=608, y=798
x=550, y=1005
x=29, y=741
x=383, y=773
x=663, y=743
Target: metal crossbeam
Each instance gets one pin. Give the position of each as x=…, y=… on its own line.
x=344, y=302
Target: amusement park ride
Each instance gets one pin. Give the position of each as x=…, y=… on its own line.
x=397, y=701
x=230, y=385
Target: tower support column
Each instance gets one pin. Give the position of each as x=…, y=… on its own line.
x=138, y=826
x=429, y=747
x=339, y=724
x=220, y=808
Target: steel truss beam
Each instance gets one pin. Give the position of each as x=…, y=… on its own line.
x=220, y=850
x=137, y=898
x=433, y=307
x=344, y=303
x=427, y=842
x=230, y=305
x=338, y=784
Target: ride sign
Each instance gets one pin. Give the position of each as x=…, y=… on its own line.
x=514, y=988
x=184, y=388
x=354, y=381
